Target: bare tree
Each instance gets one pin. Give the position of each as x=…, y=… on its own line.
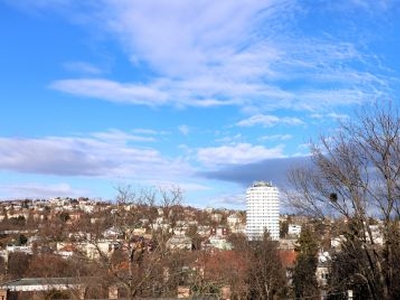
x=137, y=264
x=266, y=273
x=255, y=270
x=17, y=264
x=355, y=174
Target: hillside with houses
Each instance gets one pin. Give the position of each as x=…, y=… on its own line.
x=166, y=249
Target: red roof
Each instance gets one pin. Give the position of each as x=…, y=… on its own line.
x=288, y=257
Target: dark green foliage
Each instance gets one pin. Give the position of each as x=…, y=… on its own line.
x=355, y=175
x=307, y=244
x=283, y=229
x=17, y=221
x=304, y=279
x=21, y=240
x=343, y=277
x=64, y=216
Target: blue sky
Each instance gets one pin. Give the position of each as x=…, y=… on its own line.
x=205, y=95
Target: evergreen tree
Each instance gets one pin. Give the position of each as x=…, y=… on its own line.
x=304, y=273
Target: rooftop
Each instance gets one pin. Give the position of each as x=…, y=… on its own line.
x=262, y=183
x=38, y=282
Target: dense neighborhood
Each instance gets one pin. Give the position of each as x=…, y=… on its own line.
x=99, y=250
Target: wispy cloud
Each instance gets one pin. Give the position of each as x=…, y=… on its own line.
x=337, y=116
x=147, y=131
x=197, y=92
x=184, y=129
x=276, y=137
x=196, y=39
x=269, y=121
x=330, y=116
x=237, y=154
x=119, y=136
x=39, y=190
x=230, y=140
x=112, y=91
x=201, y=56
x=237, y=200
x=372, y=7
x=82, y=67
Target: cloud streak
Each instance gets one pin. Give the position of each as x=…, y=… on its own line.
x=241, y=153
x=109, y=154
x=118, y=155
x=269, y=121
x=38, y=190
x=202, y=57
x=112, y=91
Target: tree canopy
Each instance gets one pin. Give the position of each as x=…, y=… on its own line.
x=355, y=175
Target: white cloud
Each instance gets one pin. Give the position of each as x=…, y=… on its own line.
x=232, y=200
x=330, y=116
x=112, y=91
x=119, y=136
x=337, y=116
x=231, y=140
x=197, y=92
x=82, y=67
x=146, y=131
x=316, y=116
x=242, y=153
x=110, y=154
x=304, y=146
x=193, y=36
x=208, y=53
x=269, y=121
x=184, y=129
x=371, y=7
x=38, y=190
x=239, y=53
x=277, y=137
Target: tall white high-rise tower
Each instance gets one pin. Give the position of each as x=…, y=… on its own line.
x=262, y=210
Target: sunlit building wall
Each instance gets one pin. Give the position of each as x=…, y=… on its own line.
x=262, y=210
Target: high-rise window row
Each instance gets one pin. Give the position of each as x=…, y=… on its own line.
x=262, y=210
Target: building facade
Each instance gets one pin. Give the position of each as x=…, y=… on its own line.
x=262, y=210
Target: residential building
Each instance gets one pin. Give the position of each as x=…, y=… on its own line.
x=180, y=242
x=294, y=230
x=262, y=210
